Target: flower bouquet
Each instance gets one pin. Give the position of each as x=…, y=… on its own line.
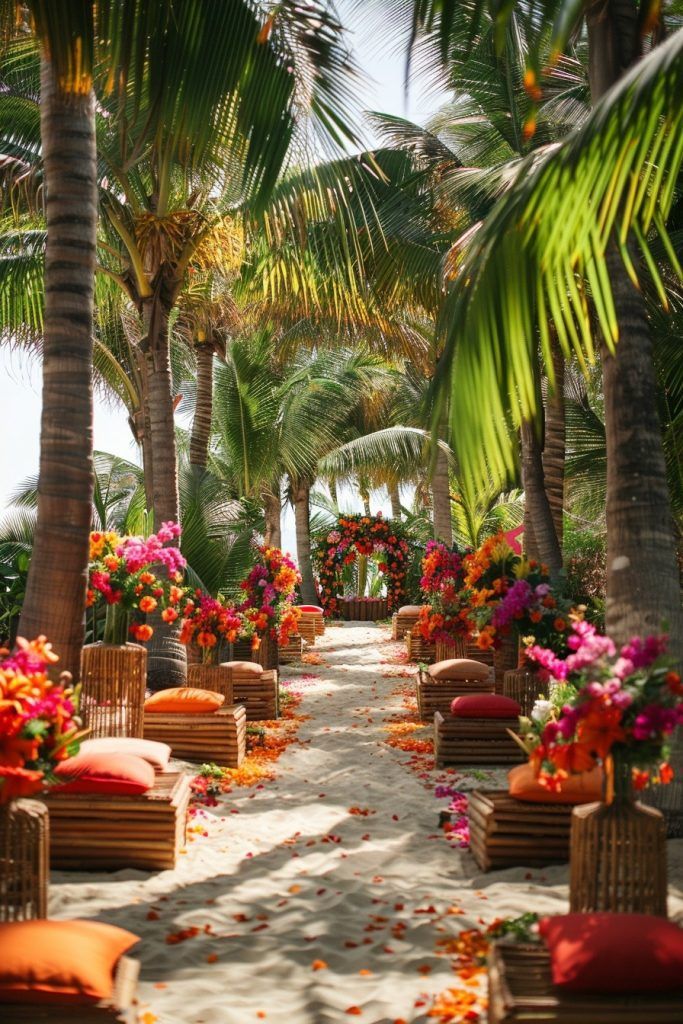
x=39, y=726
x=209, y=621
x=445, y=620
x=125, y=574
x=270, y=591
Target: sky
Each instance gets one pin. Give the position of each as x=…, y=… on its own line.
x=380, y=56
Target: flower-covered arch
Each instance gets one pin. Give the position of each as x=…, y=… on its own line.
x=356, y=535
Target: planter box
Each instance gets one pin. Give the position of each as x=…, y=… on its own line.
x=113, y=678
x=364, y=609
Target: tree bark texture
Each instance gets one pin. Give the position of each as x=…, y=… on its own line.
x=536, y=499
x=301, y=491
x=441, y=493
x=201, y=423
x=554, y=444
x=395, y=500
x=55, y=595
x=272, y=511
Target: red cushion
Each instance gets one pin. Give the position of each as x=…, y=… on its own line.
x=310, y=608
x=614, y=952
x=105, y=773
x=59, y=962
x=485, y=705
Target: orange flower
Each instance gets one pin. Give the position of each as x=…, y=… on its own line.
x=640, y=778
x=16, y=782
x=169, y=615
x=560, y=625
x=142, y=633
x=600, y=729
x=666, y=773
x=572, y=757
x=146, y=578
x=147, y=604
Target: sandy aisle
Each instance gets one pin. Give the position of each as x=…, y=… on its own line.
x=293, y=877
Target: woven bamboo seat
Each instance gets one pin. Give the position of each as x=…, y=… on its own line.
x=419, y=649
x=121, y=1007
x=505, y=832
x=101, y=832
x=401, y=623
x=311, y=625
x=260, y=695
x=521, y=991
x=438, y=694
x=467, y=741
x=218, y=736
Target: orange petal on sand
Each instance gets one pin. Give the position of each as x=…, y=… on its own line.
x=148, y=1018
x=365, y=972
x=319, y=965
x=353, y=1011
x=212, y=958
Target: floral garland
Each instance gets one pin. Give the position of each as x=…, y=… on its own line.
x=38, y=723
x=361, y=535
x=270, y=591
x=446, y=617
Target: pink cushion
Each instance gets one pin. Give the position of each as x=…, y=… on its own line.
x=459, y=668
x=485, y=705
x=410, y=609
x=105, y=773
x=243, y=668
x=616, y=953
x=158, y=754
x=310, y=608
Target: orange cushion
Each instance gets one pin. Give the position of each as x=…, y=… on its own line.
x=104, y=773
x=410, y=609
x=584, y=788
x=60, y=961
x=485, y=705
x=310, y=608
x=184, y=699
x=459, y=668
x=616, y=953
x=243, y=668
x=158, y=754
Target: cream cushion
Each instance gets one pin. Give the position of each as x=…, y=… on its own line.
x=459, y=668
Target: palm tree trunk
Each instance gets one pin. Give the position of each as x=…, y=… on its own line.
x=201, y=423
x=167, y=657
x=332, y=484
x=536, y=500
x=441, y=495
x=395, y=500
x=301, y=492
x=57, y=580
x=272, y=513
x=555, y=444
x=643, y=587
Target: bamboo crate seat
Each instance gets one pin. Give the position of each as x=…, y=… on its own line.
x=290, y=653
x=521, y=991
x=121, y=1007
x=113, y=679
x=438, y=694
x=101, y=832
x=467, y=741
x=419, y=649
x=505, y=832
x=219, y=736
x=260, y=695
x=307, y=627
x=477, y=654
x=401, y=623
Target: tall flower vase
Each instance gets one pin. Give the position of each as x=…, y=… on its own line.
x=24, y=860
x=113, y=678
x=268, y=652
x=209, y=676
x=617, y=858
x=455, y=647
x=505, y=659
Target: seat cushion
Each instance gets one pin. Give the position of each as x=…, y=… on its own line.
x=459, y=668
x=617, y=953
x=310, y=608
x=158, y=754
x=117, y=774
x=243, y=668
x=185, y=700
x=485, y=705
x=410, y=609
x=583, y=788
x=61, y=962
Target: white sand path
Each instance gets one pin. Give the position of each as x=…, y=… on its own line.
x=293, y=877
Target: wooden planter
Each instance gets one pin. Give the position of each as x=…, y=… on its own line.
x=438, y=694
x=525, y=685
x=419, y=649
x=113, y=678
x=211, y=677
x=259, y=694
x=363, y=609
x=618, y=859
x=474, y=741
x=401, y=623
x=505, y=659
x=521, y=990
x=24, y=860
x=447, y=649
x=505, y=832
x=290, y=653
x=308, y=629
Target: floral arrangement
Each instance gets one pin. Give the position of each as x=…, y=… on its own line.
x=270, y=590
x=446, y=617
x=124, y=576
x=361, y=535
x=605, y=703
x=209, y=620
x=38, y=723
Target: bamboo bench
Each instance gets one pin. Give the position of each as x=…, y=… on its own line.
x=101, y=832
x=505, y=832
x=521, y=991
x=472, y=741
x=219, y=736
x=121, y=1007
